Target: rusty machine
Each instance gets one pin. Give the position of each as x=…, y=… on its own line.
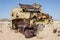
x=27, y=17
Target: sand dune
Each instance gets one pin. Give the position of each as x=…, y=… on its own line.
x=8, y=34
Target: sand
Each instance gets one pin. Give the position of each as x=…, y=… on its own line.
x=6, y=33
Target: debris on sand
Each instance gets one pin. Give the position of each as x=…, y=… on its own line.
x=1, y=31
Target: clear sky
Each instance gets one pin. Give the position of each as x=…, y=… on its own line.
x=52, y=7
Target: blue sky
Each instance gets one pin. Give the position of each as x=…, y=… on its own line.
x=52, y=7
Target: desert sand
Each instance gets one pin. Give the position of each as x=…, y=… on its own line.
x=6, y=33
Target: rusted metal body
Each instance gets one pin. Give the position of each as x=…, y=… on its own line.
x=26, y=18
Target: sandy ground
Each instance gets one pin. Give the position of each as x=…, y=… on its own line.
x=7, y=34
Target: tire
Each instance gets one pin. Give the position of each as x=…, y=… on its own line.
x=13, y=26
